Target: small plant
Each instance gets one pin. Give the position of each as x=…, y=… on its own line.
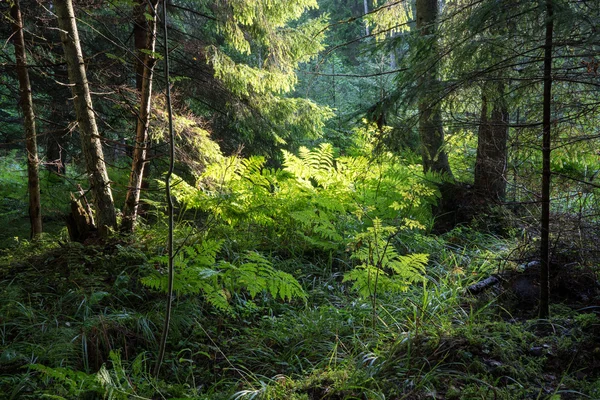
x=381, y=268
x=198, y=271
x=66, y=383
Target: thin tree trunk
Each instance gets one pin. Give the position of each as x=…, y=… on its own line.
x=26, y=100
x=431, y=130
x=546, y=171
x=140, y=149
x=366, y=7
x=91, y=144
x=171, y=267
x=490, y=166
x=140, y=39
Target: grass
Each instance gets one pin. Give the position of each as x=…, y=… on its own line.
x=60, y=328
x=75, y=322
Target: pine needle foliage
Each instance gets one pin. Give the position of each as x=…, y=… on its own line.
x=264, y=26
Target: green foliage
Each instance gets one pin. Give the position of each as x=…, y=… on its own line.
x=431, y=339
x=256, y=274
x=381, y=268
x=198, y=271
x=13, y=190
x=316, y=202
x=66, y=383
x=194, y=148
x=12, y=179
x=265, y=25
x=462, y=149
x=295, y=119
x=119, y=383
x=55, y=193
x=389, y=18
x=330, y=222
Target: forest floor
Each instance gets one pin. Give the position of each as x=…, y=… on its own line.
x=75, y=322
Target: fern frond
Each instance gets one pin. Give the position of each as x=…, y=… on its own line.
x=74, y=383
x=258, y=274
x=382, y=268
x=197, y=271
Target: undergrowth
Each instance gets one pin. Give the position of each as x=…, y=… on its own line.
x=314, y=281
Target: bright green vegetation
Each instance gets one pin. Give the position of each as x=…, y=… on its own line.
x=359, y=201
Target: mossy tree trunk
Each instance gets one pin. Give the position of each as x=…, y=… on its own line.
x=26, y=102
x=91, y=144
x=431, y=131
x=490, y=165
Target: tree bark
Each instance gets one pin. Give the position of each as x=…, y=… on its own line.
x=130, y=210
x=366, y=7
x=544, y=311
x=26, y=101
x=141, y=33
x=431, y=131
x=490, y=165
x=91, y=144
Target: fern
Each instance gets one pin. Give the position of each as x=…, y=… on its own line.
x=318, y=227
x=67, y=382
x=315, y=164
x=317, y=202
x=198, y=271
x=382, y=268
x=257, y=274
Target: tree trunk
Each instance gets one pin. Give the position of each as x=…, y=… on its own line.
x=431, y=131
x=546, y=171
x=140, y=42
x=91, y=144
x=80, y=223
x=26, y=100
x=490, y=166
x=366, y=7
x=141, y=32
x=140, y=149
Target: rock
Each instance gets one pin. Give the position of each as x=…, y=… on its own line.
x=536, y=351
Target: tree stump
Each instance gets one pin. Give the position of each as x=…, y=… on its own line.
x=80, y=222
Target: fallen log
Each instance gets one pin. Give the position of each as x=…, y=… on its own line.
x=480, y=286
